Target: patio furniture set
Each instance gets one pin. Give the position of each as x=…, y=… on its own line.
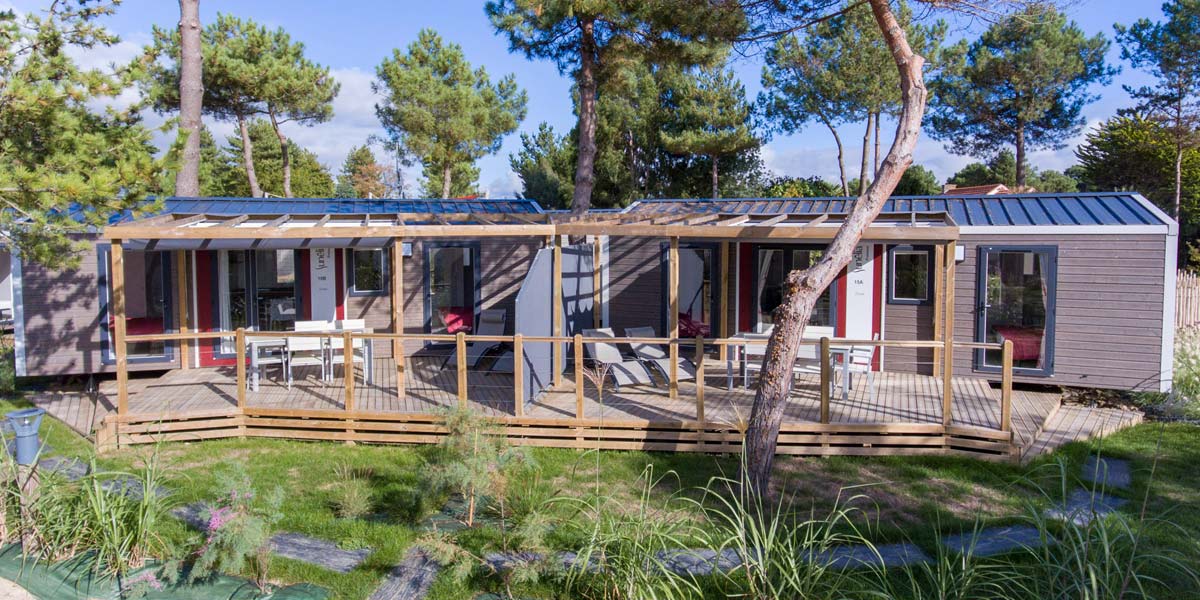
x=325, y=351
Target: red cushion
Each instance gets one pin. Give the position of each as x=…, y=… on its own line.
x=139, y=325
x=456, y=318
x=690, y=328
x=1027, y=341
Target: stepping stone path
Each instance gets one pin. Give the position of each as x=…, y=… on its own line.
x=1083, y=506
x=409, y=580
x=885, y=555
x=991, y=541
x=1108, y=472
x=72, y=469
x=296, y=546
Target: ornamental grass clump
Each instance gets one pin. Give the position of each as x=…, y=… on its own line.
x=238, y=531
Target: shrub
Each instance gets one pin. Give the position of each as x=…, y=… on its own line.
x=1187, y=363
x=352, y=499
x=475, y=455
x=238, y=533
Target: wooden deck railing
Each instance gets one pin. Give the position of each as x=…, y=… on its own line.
x=697, y=347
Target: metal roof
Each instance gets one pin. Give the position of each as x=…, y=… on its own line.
x=344, y=206
x=1113, y=208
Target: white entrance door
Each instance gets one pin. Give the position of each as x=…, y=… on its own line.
x=860, y=293
x=323, y=275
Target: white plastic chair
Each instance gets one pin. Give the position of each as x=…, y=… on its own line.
x=622, y=371
x=307, y=351
x=359, y=354
x=655, y=356
x=861, y=358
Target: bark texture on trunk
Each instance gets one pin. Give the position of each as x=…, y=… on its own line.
x=716, y=193
x=841, y=154
x=285, y=158
x=191, y=98
x=585, y=178
x=866, y=156
x=446, y=170
x=248, y=158
x=876, y=143
x=1020, y=156
x=802, y=288
x=1179, y=183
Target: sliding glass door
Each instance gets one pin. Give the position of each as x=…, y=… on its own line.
x=1016, y=293
x=256, y=289
x=451, y=288
x=699, y=304
x=774, y=264
x=147, y=303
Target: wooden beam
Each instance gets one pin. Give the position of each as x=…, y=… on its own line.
x=117, y=274
x=700, y=383
x=704, y=218
x=348, y=368
x=1006, y=358
x=322, y=221
x=181, y=306
x=398, y=312
x=556, y=315
x=234, y=222
x=723, y=318
x=597, y=281
x=239, y=343
x=673, y=316
x=278, y=222
x=948, y=332
x=769, y=222
x=579, y=380
x=826, y=379
x=460, y=348
x=182, y=222
x=939, y=298
x=738, y=220
x=483, y=219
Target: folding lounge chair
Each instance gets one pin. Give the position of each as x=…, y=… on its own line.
x=491, y=322
x=622, y=371
x=656, y=357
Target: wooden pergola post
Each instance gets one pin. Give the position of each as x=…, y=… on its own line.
x=181, y=301
x=519, y=375
x=673, y=315
x=948, y=336
x=556, y=314
x=939, y=298
x=398, y=312
x=117, y=273
x=723, y=318
x=1006, y=361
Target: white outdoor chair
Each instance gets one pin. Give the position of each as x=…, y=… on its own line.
x=307, y=351
x=808, y=359
x=359, y=353
x=622, y=371
x=860, y=358
x=655, y=356
x=491, y=322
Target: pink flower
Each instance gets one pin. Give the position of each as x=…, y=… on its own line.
x=145, y=577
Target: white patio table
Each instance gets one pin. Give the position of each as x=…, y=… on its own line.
x=257, y=346
x=837, y=352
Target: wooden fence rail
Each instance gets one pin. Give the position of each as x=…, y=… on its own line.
x=1187, y=299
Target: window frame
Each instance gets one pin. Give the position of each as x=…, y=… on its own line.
x=352, y=272
x=107, y=350
x=979, y=359
x=910, y=249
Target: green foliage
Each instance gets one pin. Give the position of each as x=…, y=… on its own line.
x=1023, y=83
x=464, y=181
x=310, y=179
x=476, y=456
x=707, y=116
x=545, y=163
x=1002, y=168
x=352, y=497
x=238, y=533
x=362, y=176
x=1134, y=153
x=443, y=112
x=1186, y=382
x=917, y=181
x=800, y=187
x=64, y=139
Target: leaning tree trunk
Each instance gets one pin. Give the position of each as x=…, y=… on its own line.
x=866, y=157
x=248, y=158
x=716, y=193
x=804, y=287
x=447, y=169
x=841, y=156
x=191, y=98
x=284, y=156
x=585, y=177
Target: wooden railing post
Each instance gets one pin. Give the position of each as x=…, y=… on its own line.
x=117, y=274
x=556, y=315
x=723, y=318
x=947, y=382
x=939, y=301
x=240, y=343
x=398, y=313
x=460, y=346
x=673, y=318
x=579, y=381
x=348, y=368
x=700, y=384
x=826, y=379
x=1006, y=386
x=519, y=375
x=181, y=308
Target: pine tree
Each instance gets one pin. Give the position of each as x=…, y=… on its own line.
x=589, y=40
x=708, y=116
x=310, y=179
x=191, y=96
x=1023, y=83
x=362, y=176
x=66, y=166
x=442, y=111
x=544, y=165
x=464, y=177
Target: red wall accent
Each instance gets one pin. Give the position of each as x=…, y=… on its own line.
x=305, y=287
x=339, y=283
x=839, y=329
x=877, y=304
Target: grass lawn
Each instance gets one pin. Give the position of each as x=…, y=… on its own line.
x=901, y=498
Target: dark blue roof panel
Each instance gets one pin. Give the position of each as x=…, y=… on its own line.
x=324, y=206
x=1110, y=208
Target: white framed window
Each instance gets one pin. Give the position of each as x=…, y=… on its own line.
x=910, y=275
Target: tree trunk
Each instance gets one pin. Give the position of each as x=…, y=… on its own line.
x=585, y=178
x=866, y=156
x=876, y=142
x=447, y=169
x=191, y=98
x=1020, y=157
x=248, y=158
x=285, y=158
x=841, y=156
x=1179, y=183
x=804, y=287
x=716, y=193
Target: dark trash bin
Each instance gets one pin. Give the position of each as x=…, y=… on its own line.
x=25, y=424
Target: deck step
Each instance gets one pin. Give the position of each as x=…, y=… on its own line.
x=1073, y=422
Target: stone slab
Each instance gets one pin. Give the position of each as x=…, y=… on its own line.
x=409, y=580
x=72, y=469
x=315, y=551
x=994, y=540
x=885, y=555
x=700, y=562
x=1108, y=472
x=1082, y=506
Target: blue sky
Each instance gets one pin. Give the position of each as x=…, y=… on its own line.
x=352, y=37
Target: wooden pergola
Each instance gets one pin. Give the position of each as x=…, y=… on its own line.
x=181, y=232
